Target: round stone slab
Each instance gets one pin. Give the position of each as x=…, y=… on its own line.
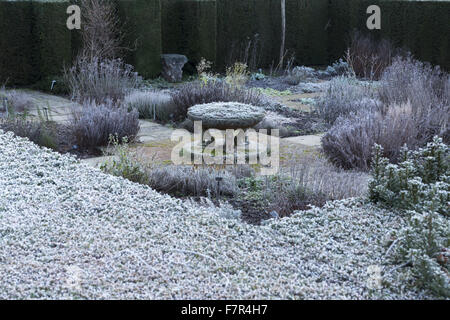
x=226, y=115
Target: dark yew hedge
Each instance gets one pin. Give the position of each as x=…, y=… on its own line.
x=189, y=28
x=142, y=26
x=421, y=27
x=238, y=22
x=306, y=31
x=17, y=43
x=53, y=43
x=35, y=44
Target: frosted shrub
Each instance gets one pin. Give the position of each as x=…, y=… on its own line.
x=123, y=162
x=180, y=181
x=419, y=82
x=39, y=132
x=151, y=105
x=368, y=57
x=305, y=182
x=299, y=74
x=16, y=101
x=424, y=244
x=339, y=68
x=349, y=142
x=413, y=106
x=237, y=75
x=93, y=124
x=100, y=80
x=426, y=88
x=190, y=181
x=343, y=96
x=419, y=183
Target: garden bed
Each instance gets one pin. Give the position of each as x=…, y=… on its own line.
x=70, y=231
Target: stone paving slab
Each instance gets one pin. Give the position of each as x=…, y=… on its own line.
x=310, y=141
x=151, y=131
x=60, y=107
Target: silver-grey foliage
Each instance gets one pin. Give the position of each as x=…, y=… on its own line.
x=427, y=89
x=346, y=95
x=100, y=80
x=69, y=231
x=151, y=105
x=348, y=144
x=92, y=124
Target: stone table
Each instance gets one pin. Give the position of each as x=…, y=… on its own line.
x=226, y=115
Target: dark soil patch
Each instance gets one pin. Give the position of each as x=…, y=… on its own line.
x=252, y=212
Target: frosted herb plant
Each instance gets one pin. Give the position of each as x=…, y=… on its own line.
x=419, y=183
x=123, y=163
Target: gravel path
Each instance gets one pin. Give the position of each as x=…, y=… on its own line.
x=69, y=231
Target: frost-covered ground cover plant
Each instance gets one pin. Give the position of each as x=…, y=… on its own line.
x=419, y=184
x=70, y=231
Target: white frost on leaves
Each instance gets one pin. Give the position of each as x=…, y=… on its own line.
x=70, y=231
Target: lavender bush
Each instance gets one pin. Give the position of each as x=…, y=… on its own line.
x=100, y=80
x=345, y=95
x=151, y=105
x=93, y=124
x=348, y=144
x=427, y=89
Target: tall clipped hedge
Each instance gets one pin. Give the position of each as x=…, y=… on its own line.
x=35, y=43
x=189, y=28
x=238, y=22
x=142, y=22
x=421, y=27
x=52, y=38
x=17, y=61
x=306, y=30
